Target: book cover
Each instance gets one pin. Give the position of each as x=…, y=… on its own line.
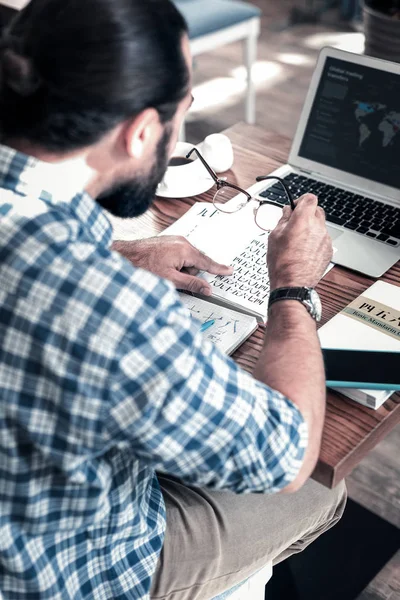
x=370, y=322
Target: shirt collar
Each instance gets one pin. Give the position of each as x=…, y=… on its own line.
x=55, y=184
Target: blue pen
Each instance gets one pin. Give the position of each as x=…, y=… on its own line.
x=207, y=325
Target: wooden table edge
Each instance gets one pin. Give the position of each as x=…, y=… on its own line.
x=331, y=476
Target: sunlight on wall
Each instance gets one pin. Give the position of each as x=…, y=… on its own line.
x=226, y=91
x=353, y=42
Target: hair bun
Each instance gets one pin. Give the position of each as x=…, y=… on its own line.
x=18, y=72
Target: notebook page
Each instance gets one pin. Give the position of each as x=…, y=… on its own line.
x=230, y=329
x=192, y=220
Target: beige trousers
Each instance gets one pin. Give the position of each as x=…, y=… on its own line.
x=215, y=540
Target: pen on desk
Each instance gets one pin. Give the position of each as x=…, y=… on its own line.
x=207, y=325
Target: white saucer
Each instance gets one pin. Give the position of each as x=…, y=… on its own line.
x=187, y=189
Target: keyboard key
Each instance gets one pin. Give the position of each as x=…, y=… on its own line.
x=362, y=229
x=336, y=220
x=351, y=225
x=376, y=225
x=382, y=237
x=290, y=177
x=392, y=242
x=268, y=194
x=391, y=231
x=371, y=234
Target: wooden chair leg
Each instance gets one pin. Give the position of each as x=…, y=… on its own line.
x=182, y=132
x=250, y=52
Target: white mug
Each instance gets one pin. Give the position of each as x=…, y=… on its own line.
x=217, y=151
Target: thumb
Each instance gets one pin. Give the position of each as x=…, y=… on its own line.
x=184, y=281
x=286, y=214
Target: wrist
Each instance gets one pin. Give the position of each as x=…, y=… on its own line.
x=305, y=296
x=287, y=307
x=287, y=282
x=290, y=318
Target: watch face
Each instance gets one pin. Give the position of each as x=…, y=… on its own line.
x=316, y=305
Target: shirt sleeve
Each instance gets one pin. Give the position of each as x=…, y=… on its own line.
x=190, y=411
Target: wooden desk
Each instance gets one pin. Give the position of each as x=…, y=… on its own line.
x=351, y=430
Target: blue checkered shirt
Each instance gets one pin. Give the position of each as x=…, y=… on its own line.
x=104, y=380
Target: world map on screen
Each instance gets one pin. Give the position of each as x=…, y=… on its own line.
x=388, y=125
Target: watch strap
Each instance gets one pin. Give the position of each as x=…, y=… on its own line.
x=290, y=293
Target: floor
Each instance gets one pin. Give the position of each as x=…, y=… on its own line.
x=286, y=59
x=339, y=564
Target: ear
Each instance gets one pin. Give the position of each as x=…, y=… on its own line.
x=142, y=132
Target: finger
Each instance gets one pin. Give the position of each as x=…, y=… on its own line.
x=187, y=282
x=286, y=214
x=190, y=270
x=320, y=214
x=306, y=204
x=202, y=262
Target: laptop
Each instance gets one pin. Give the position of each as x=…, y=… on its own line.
x=347, y=152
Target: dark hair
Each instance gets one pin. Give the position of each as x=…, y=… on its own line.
x=71, y=70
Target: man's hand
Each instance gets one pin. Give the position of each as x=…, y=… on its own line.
x=173, y=258
x=299, y=248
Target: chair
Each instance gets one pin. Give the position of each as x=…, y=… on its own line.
x=252, y=588
x=214, y=23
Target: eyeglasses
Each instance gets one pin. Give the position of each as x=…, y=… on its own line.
x=230, y=198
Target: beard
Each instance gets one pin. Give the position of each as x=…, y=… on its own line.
x=134, y=197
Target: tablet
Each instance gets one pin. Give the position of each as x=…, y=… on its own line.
x=376, y=370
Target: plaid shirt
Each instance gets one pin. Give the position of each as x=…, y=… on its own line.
x=104, y=379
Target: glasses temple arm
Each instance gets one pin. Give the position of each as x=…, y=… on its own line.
x=287, y=191
x=207, y=166
x=218, y=181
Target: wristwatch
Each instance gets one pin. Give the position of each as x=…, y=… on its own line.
x=307, y=296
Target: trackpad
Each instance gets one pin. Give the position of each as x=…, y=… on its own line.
x=334, y=233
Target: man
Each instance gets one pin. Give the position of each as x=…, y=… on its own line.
x=104, y=379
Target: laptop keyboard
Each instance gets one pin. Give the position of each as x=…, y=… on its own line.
x=351, y=211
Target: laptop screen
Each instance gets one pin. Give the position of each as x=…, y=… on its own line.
x=354, y=123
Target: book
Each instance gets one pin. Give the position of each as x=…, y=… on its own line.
x=233, y=239
x=371, y=398
x=370, y=322
x=229, y=328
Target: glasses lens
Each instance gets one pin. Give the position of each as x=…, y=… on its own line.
x=267, y=216
x=229, y=200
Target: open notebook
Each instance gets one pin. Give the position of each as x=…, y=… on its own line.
x=230, y=328
x=232, y=239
